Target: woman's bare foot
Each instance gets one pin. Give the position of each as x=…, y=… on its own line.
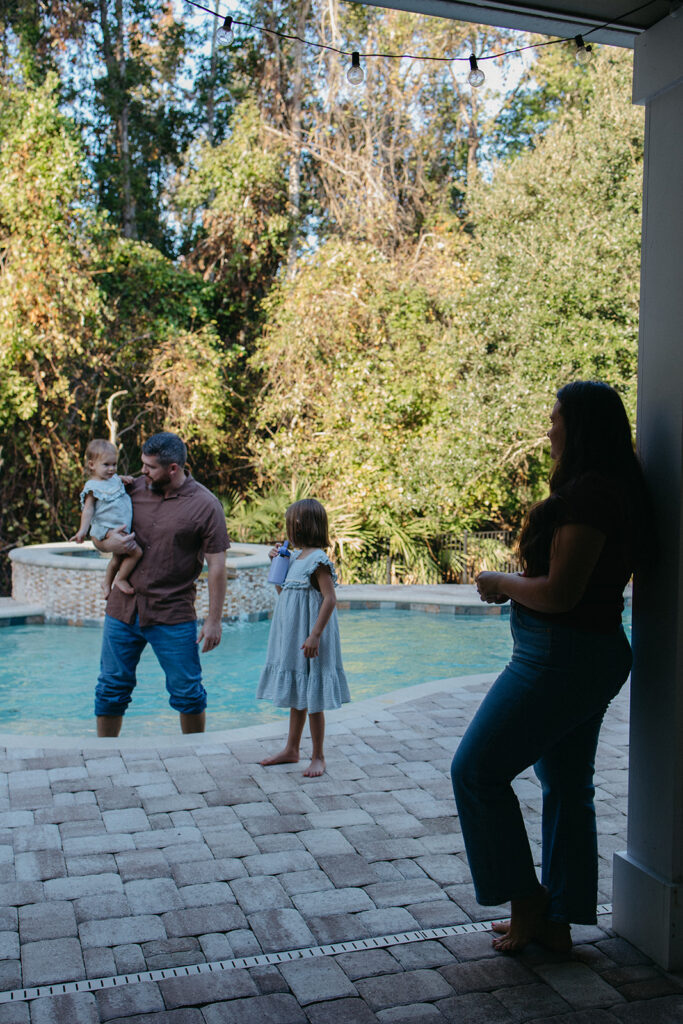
x=286, y=756
x=315, y=768
x=529, y=923
x=124, y=586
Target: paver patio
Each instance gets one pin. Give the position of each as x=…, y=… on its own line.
x=133, y=860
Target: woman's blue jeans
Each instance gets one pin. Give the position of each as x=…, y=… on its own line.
x=545, y=710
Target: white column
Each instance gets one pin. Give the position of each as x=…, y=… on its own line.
x=648, y=876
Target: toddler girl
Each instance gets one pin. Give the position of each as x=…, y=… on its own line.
x=106, y=507
x=303, y=669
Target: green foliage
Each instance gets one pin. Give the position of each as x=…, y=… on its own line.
x=138, y=118
x=84, y=313
x=234, y=201
x=557, y=259
x=165, y=350
x=551, y=86
x=413, y=388
x=358, y=314
x=50, y=310
x=260, y=518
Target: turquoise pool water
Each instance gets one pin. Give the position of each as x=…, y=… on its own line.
x=47, y=673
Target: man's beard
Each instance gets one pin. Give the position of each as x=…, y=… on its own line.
x=158, y=486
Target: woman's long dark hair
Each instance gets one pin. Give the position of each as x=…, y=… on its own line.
x=598, y=441
x=598, y=435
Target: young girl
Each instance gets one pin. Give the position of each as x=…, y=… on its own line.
x=303, y=669
x=105, y=507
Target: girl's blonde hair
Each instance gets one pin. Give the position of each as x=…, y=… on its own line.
x=98, y=447
x=306, y=523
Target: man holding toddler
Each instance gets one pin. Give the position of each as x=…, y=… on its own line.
x=178, y=523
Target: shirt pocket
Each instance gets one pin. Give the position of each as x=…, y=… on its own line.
x=187, y=535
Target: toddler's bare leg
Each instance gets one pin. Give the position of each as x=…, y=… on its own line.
x=112, y=569
x=290, y=752
x=105, y=543
x=316, y=723
x=126, y=567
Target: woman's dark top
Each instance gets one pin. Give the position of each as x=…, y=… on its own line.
x=600, y=502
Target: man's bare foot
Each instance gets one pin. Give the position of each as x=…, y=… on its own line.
x=285, y=756
x=124, y=586
x=529, y=923
x=315, y=768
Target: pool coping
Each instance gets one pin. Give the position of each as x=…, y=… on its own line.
x=55, y=555
x=437, y=598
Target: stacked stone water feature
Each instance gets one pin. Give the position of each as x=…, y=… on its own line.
x=65, y=580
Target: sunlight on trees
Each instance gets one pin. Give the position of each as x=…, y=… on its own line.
x=367, y=294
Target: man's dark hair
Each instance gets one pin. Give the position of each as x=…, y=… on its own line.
x=167, y=448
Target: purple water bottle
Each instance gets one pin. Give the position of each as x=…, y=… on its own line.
x=280, y=565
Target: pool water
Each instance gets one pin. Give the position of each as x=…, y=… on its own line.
x=48, y=673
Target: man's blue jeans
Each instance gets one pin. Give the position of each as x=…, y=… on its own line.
x=545, y=710
x=176, y=649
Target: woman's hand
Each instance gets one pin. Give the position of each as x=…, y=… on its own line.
x=490, y=586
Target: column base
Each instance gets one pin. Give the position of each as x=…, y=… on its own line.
x=648, y=912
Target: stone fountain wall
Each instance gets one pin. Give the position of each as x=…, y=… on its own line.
x=67, y=585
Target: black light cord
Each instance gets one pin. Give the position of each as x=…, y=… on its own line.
x=412, y=56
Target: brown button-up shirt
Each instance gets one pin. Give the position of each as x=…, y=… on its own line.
x=175, y=531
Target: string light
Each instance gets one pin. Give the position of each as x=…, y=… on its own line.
x=355, y=73
x=476, y=76
x=227, y=29
x=584, y=54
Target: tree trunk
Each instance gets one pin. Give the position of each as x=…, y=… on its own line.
x=115, y=62
x=294, y=183
x=211, y=97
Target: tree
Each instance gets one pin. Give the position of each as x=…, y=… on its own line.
x=51, y=314
x=557, y=258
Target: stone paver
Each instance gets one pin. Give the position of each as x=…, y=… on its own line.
x=408, y=987
x=314, y=981
x=117, y=860
x=50, y=960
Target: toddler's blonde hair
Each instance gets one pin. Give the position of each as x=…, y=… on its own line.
x=98, y=447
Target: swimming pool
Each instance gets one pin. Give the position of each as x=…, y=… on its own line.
x=48, y=672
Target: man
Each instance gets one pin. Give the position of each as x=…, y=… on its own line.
x=177, y=523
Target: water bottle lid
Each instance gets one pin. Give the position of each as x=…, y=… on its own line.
x=283, y=550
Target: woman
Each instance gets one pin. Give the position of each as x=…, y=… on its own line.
x=570, y=657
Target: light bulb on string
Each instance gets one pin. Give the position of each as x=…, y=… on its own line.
x=226, y=29
x=355, y=73
x=584, y=53
x=476, y=76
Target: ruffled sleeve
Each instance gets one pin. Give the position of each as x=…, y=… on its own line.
x=299, y=577
x=315, y=561
x=103, y=491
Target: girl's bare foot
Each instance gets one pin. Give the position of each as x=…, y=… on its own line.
x=286, y=756
x=124, y=586
x=529, y=923
x=315, y=768
x=106, y=589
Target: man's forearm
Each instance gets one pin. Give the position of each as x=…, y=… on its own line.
x=217, y=582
